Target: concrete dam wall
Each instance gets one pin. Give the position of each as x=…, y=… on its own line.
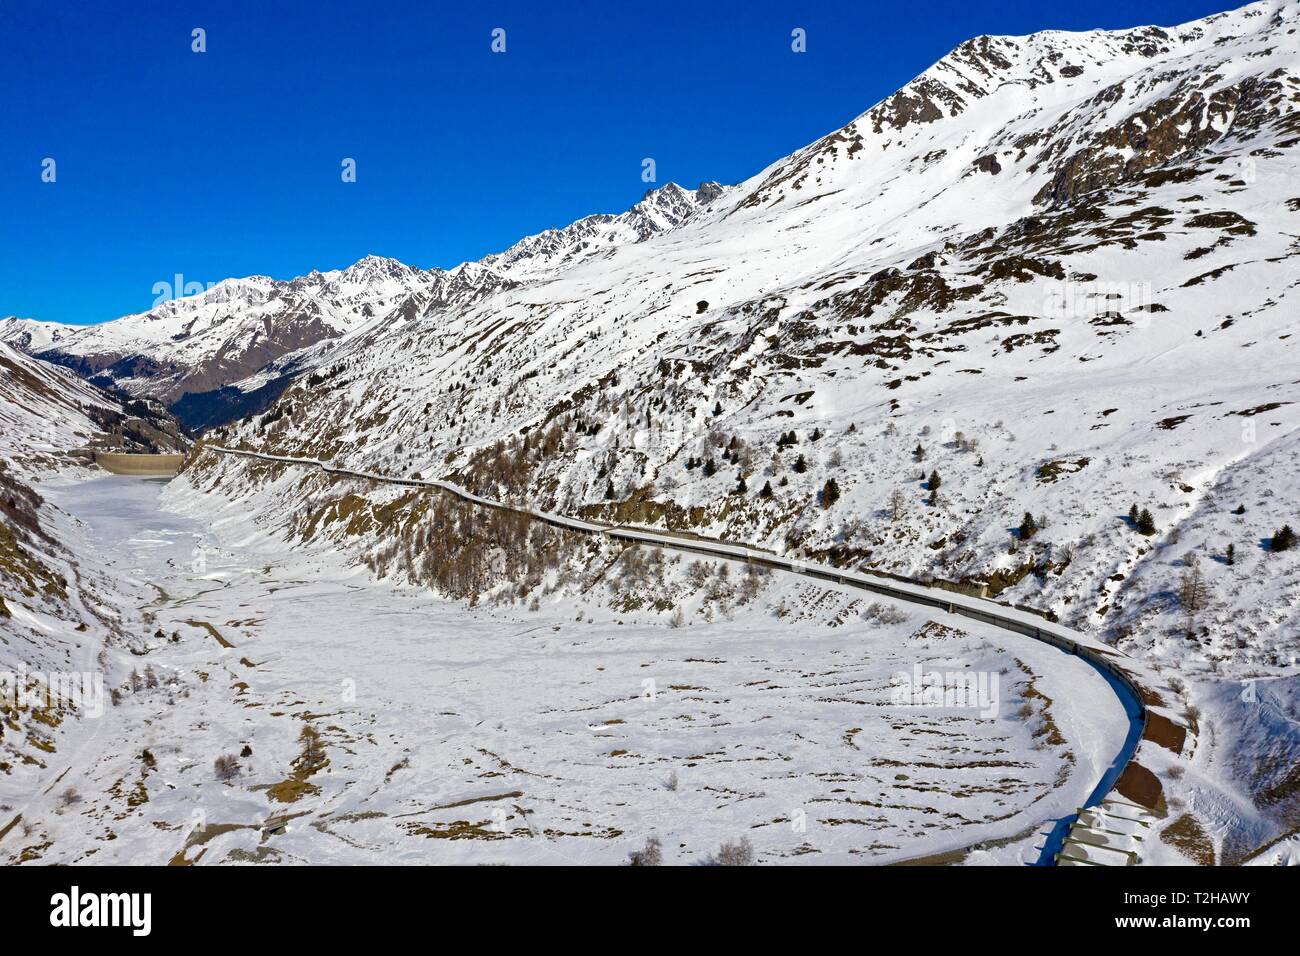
x=120, y=463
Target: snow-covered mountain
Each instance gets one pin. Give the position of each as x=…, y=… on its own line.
x=1048, y=284
x=31, y=335
x=189, y=349
x=1029, y=214
x=1052, y=276
x=200, y=342
x=1002, y=130
x=48, y=414
x=55, y=613
x=660, y=210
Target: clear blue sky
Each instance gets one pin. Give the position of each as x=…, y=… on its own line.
x=227, y=163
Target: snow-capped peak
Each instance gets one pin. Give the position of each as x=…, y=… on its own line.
x=660, y=210
x=31, y=335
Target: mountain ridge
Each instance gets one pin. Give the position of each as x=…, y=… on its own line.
x=190, y=344
x=193, y=346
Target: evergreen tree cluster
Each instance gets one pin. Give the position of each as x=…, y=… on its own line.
x=1142, y=520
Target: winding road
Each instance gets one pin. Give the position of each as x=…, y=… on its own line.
x=1109, y=662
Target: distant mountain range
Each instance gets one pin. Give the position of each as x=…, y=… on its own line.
x=188, y=349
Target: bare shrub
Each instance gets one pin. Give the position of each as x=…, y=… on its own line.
x=897, y=504
x=1193, y=591
x=649, y=855
x=885, y=613
x=734, y=853
x=226, y=768
x=697, y=574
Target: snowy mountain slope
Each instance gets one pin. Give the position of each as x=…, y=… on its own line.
x=29, y=335
x=1057, y=288
x=1058, y=271
x=201, y=342
x=48, y=625
x=48, y=412
x=187, y=350
x=659, y=211
x=1021, y=121
x=56, y=613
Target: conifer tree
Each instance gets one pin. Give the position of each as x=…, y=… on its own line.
x=830, y=493
x=1283, y=539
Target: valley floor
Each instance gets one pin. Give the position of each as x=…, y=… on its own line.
x=439, y=732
